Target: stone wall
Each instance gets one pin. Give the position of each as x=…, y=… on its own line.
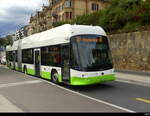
x=131, y=51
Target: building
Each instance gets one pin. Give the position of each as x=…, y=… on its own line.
x=62, y=10
x=21, y=33
x=17, y=35
x=41, y=21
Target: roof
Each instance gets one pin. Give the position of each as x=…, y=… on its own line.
x=58, y=35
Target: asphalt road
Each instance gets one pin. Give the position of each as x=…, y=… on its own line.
x=130, y=96
x=24, y=93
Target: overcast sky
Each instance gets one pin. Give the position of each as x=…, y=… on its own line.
x=16, y=13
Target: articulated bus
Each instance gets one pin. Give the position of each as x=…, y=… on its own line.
x=70, y=54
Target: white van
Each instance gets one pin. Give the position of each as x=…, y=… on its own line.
x=3, y=60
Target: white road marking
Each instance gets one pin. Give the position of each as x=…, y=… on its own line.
x=19, y=83
x=118, y=107
x=134, y=82
x=7, y=106
x=100, y=101
x=124, y=81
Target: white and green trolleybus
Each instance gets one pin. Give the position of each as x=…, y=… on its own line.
x=71, y=54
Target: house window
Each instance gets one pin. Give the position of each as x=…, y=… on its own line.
x=95, y=6
x=68, y=15
x=68, y=4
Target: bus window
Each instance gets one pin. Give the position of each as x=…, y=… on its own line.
x=91, y=53
x=27, y=56
x=51, y=56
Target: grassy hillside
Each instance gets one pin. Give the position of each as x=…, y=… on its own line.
x=120, y=16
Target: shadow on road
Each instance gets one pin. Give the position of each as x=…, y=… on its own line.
x=90, y=88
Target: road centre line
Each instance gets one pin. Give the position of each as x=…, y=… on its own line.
x=143, y=100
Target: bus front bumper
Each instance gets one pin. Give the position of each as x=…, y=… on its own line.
x=92, y=80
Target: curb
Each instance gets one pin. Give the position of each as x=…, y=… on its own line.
x=133, y=72
x=132, y=82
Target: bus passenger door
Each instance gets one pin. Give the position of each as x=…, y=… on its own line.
x=65, y=66
x=37, y=62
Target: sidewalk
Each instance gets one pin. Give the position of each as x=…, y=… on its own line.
x=139, y=79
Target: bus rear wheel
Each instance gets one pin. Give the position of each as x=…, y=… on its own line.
x=55, y=77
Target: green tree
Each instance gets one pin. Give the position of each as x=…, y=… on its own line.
x=8, y=40
x=2, y=42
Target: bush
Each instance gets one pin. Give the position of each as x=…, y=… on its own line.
x=144, y=12
x=61, y=23
x=129, y=27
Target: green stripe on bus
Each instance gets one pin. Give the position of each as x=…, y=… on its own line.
x=91, y=80
x=46, y=75
x=60, y=78
x=31, y=71
x=22, y=69
x=16, y=68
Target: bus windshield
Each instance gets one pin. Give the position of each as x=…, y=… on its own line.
x=90, y=53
